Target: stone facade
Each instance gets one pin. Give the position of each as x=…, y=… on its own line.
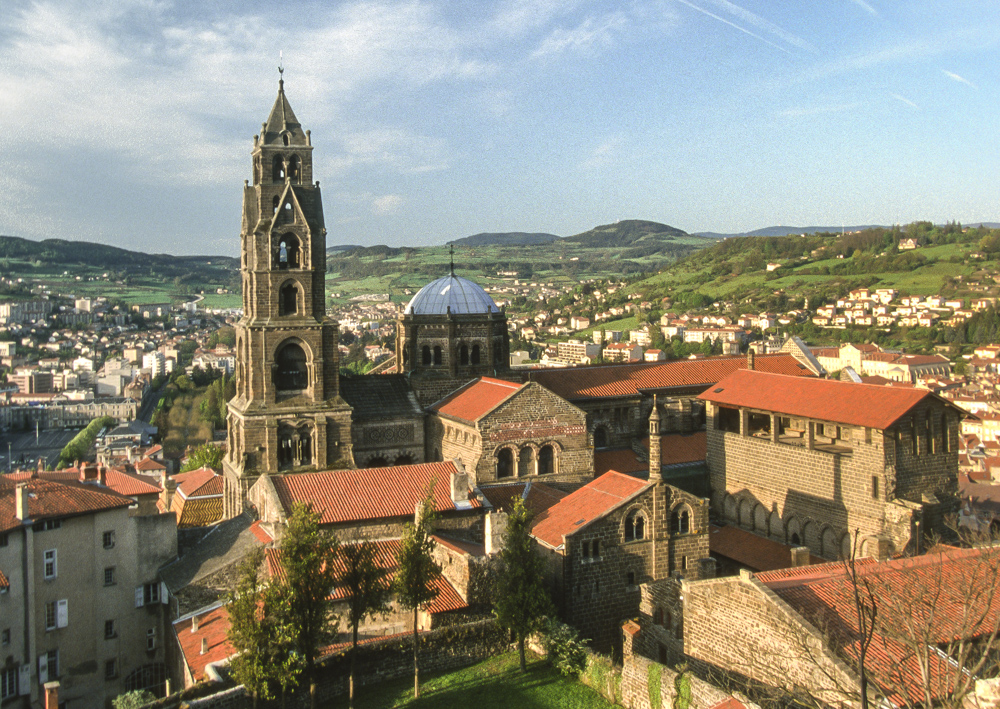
x=814, y=483
x=534, y=433
x=287, y=413
x=596, y=593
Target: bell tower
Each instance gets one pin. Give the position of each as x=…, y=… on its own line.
x=287, y=414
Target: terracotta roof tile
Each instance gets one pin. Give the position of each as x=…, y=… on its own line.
x=679, y=448
x=579, y=508
x=750, y=550
x=575, y=383
x=369, y=493
x=260, y=533
x=197, y=512
x=213, y=626
x=952, y=577
x=540, y=496
x=476, y=399
x=198, y=483
x=129, y=485
x=4, y=583
x=822, y=399
x=150, y=465
x=623, y=460
x=52, y=500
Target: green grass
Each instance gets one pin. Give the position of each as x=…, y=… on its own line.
x=496, y=683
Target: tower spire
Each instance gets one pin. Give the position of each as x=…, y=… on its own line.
x=281, y=71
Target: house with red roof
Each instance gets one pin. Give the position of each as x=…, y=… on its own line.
x=607, y=539
x=502, y=430
x=797, y=629
x=80, y=597
x=194, y=497
x=812, y=461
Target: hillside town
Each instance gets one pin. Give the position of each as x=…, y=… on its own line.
x=705, y=493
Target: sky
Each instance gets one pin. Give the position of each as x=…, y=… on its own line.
x=130, y=122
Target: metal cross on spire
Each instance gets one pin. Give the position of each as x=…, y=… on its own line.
x=281, y=68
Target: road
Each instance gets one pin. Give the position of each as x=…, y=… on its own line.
x=25, y=450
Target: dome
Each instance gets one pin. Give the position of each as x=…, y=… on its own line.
x=460, y=295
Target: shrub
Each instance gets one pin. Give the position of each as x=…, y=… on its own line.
x=133, y=699
x=564, y=647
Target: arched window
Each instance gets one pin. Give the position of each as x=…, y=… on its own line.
x=546, y=460
x=475, y=354
x=288, y=299
x=294, y=446
x=601, y=437
x=463, y=354
x=426, y=355
x=525, y=461
x=404, y=460
x=658, y=616
x=378, y=462
x=295, y=169
x=680, y=523
x=505, y=463
x=292, y=373
x=635, y=526
x=284, y=138
x=437, y=354
x=278, y=169
x=289, y=252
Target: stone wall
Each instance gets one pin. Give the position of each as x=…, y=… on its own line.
x=740, y=627
x=650, y=685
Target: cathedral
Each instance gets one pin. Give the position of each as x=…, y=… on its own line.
x=452, y=396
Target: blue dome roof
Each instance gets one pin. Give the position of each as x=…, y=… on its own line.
x=461, y=295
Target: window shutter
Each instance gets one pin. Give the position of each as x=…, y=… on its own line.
x=164, y=599
x=138, y=597
x=43, y=668
x=24, y=680
x=62, y=613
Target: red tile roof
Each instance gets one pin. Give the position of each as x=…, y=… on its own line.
x=575, y=383
x=129, y=485
x=822, y=399
x=678, y=448
x=386, y=552
x=197, y=512
x=624, y=460
x=202, y=482
x=150, y=465
x=48, y=499
x=954, y=578
x=540, y=496
x=752, y=551
x=580, y=508
x=476, y=399
x=213, y=626
x=369, y=493
x=260, y=533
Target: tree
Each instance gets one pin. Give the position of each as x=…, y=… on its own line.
x=261, y=641
x=207, y=455
x=521, y=601
x=417, y=571
x=367, y=586
x=307, y=578
x=133, y=700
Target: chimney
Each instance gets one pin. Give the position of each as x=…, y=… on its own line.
x=655, y=455
x=168, y=486
x=21, y=502
x=459, y=485
x=102, y=475
x=496, y=525
x=750, y=359
x=800, y=556
x=204, y=645
x=51, y=695
x=194, y=624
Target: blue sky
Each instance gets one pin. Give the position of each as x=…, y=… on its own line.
x=130, y=122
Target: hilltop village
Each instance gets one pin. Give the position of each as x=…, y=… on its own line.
x=693, y=513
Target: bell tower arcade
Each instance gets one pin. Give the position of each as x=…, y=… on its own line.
x=287, y=414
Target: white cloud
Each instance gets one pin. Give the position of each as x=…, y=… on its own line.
x=592, y=31
x=959, y=79
x=905, y=100
x=387, y=204
x=866, y=7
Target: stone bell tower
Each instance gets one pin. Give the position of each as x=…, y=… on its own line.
x=287, y=415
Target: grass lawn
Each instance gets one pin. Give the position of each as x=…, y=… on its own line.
x=497, y=682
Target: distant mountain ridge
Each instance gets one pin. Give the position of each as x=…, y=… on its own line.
x=789, y=230
x=511, y=238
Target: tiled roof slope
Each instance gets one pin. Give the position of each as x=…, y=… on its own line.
x=51, y=500
x=368, y=493
x=678, y=448
x=115, y=480
x=750, y=550
x=4, y=583
x=822, y=399
x=580, y=508
x=960, y=582
x=623, y=460
x=197, y=512
x=386, y=552
x=381, y=396
x=540, y=496
x=575, y=383
x=213, y=626
x=476, y=399
x=198, y=483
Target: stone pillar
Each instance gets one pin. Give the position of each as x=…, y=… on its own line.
x=655, y=454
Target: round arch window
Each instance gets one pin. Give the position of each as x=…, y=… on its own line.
x=292, y=373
